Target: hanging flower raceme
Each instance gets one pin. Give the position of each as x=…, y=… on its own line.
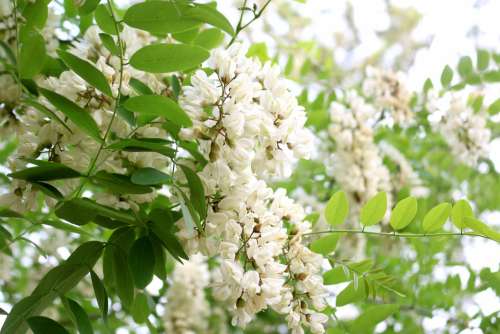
x=250, y=128
x=463, y=129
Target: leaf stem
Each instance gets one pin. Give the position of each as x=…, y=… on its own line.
x=240, y=26
x=117, y=100
x=400, y=235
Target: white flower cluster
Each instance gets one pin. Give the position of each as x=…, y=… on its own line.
x=42, y=137
x=357, y=163
x=464, y=130
x=250, y=128
x=389, y=93
x=187, y=308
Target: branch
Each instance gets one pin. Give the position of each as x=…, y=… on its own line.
x=240, y=26
x=401, y=235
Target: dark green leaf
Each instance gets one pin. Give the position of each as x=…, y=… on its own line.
x=75, y=113
x=160, y=259
x=43, y=325
x=140, y=310
x=144, y=145
x=47, y=172
x=149, y=176
x=118, y=184
x=159, y=106
x=82, y=319
x=196, y=190
x=109, y=43
x=123, y=277
x=159, y=17
x=142, y=262
x=81, y=211
x=48, y=190
x=100, y=294
x=164, y=58
x=162, y=225
x=140, y=87
x=86, y=71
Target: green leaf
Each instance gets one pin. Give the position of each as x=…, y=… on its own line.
x=164, y=58
x=460, y=211
x=104, y=19
x=436, y=217
x=123, y=277
x=57, y=281
x=482, y=228
x=483, y=59
x=75, y=113
x=140, y=88
x=160, y=259
x=465, y=67
x=87, y=7
x=100, y=294
x=494, y=108
x=142, y=262
x=160, y=17
x=82, y=319
x=123, y=238
x=492, y=76
x=118, y=184
x=196, y=190
x=186, y=36
x=43, y=325
x=48, y=172
x=144, y=145
x=403, y=213
x=47, y=112
x=336, y=275
x=61, y=225
x=446, y=76
x=428, y=85
x=210, y=15
x=140, y=310
x=374, y=210
x=32, y=43
x=149, y=176
x=86, y=71
x=161, y=223
x=159, y=106
x=35, y=13
x=209, y=38
x=109, y=43
x=373, y=315
x=337, y=209
x=325, y=245
x=81, y=211
x=350, y=294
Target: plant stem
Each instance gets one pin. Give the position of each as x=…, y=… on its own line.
x=117, y=100
x=401, y=235
x=240, y=26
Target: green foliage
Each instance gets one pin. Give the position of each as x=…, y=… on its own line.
x=337, y=209
x=374, y=210
x=164, y=58
x=325, y=245
x=436, y=217
x=158, y=106
x=403, y=213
